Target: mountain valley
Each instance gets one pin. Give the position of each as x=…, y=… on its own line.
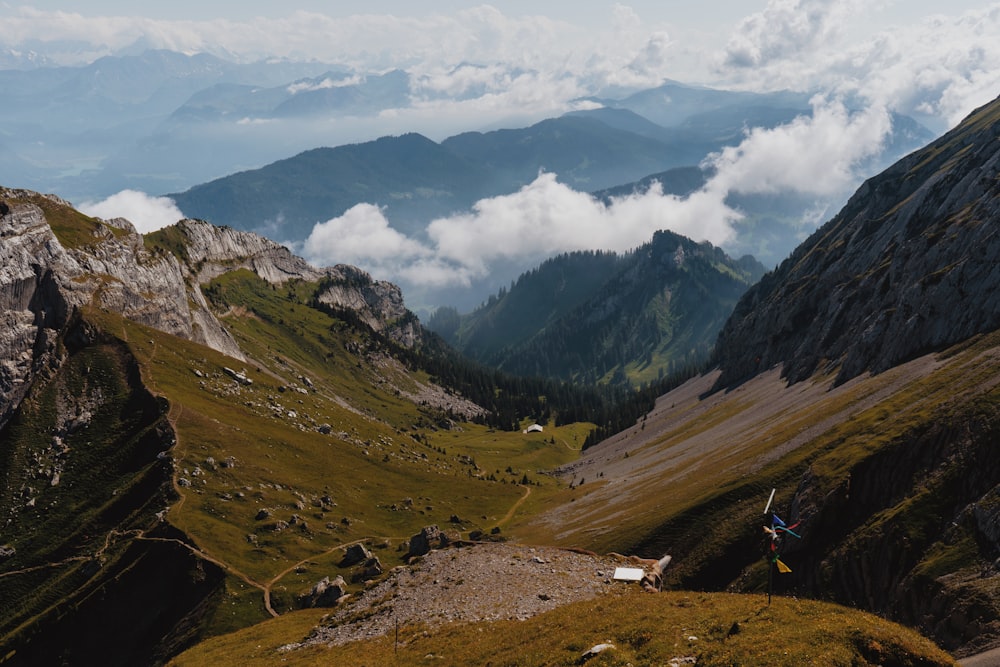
x=212, y=451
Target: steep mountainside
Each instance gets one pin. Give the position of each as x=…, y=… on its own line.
x=908, y=266
x=599, y=317
x=861, y=380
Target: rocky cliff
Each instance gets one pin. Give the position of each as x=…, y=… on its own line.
x=908, y=266
x=54, y=260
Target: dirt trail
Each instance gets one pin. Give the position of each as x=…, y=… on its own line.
x=174, y=413
x=513, y=508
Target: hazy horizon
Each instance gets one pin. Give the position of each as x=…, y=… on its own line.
x=475, y=65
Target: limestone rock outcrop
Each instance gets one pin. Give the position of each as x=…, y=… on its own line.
x=54, y=260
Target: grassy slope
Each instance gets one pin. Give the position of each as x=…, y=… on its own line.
x=382, y=453
x=384, y=450
x=714, y=629
x=729, y=450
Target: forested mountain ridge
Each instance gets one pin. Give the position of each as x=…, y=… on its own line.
x=599, y=317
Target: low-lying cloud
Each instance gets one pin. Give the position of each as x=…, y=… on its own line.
x=543, y=218
x=145, y=212
x=814, y=155
x=817, y=154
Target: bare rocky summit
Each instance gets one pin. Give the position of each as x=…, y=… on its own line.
x=466, y=584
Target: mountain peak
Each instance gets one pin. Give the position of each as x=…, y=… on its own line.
x=907, y=267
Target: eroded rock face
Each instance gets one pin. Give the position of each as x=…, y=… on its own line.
x=106, y=264
x=377, y=303
x=908, y=266
x=42, y=281
x=213, y=251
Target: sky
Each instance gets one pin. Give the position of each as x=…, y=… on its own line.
x=469, y=62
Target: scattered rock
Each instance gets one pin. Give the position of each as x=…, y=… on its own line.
x=183, y=482
x=594, y=651
x=263, y=514
x=7, y=551
x=484, y=582
x=324, y=593
x=356, y=553
x=239, y=376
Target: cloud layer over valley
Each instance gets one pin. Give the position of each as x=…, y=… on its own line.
x=482, y=67
x=815, y=156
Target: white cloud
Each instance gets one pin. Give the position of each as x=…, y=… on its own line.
x=325, y=84
x=815, y=154
x=542, y=219
x=787, y=28
x=939, y=68
x=146, y=213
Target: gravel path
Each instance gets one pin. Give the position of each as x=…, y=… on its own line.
x=481, y=582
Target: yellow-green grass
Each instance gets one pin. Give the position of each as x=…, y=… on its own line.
x=724, y=493
x=713, y=629
x=386, y=468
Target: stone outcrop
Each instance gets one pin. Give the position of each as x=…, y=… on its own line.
x=907, y=267
x=356, y=553
x=429, y=537
x=43, y=280
x=212, y=251
x=54, y=260
x=377, y=303
x=324, y=593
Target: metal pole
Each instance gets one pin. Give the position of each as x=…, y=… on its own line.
x=770, y=581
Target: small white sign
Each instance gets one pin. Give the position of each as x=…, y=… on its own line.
x=629, y=574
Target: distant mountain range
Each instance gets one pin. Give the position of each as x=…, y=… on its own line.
x=200, y=127
x=612, y=152
x=417, y=179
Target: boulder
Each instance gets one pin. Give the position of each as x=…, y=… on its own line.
x=429, y=537
x=356, y=553
x=324, y=593
x=372, y=568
